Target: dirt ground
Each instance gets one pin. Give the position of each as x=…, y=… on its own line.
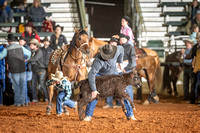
x=170, y=115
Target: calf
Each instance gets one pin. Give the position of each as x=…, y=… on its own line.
x=111, y=85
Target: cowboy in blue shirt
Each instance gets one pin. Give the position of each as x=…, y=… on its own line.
x=64, y=87
x=105, y=64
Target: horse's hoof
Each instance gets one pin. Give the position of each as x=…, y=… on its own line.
x=156, y=99
x=146, y=102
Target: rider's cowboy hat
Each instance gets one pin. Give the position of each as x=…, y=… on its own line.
x=35, y=41
x=58, y=76
x=108, y=51
x=190, y=41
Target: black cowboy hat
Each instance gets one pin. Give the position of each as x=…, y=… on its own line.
x=45, y=39
x=11, y=38
x=124, y=36
x=113, y=39
x=22, y=38
x=108, y=51
x=127, y=19
x=59, y=26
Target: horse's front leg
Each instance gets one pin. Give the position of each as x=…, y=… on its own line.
x=48, y=110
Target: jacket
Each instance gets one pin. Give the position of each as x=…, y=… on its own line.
x=129, y=54
x=37, y=61
x=46, y=55
x=61, y=41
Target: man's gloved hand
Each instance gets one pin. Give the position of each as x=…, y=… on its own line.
x=94, y=94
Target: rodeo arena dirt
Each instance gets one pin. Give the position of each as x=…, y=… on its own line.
x=139, y=74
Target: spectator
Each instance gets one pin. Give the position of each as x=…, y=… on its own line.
x=190, y=23
x=57, y=40
x=196, y=66
x=38, y=70
x=64, y=87
x=126, y=30
x=30, y=32
x=2, y=77
x=191, y=55
x=195, y=30
x=36, y=13
x=16, y=61
x=187, y=74
x=46, y=50
x=19, y=6
x=193, y=9
x=22, y=42
x=6, y=13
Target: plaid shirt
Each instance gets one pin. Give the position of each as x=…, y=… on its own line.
x=65, y=86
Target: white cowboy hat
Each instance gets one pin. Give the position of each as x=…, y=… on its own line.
x=58, y=76
x=190, y=41
x=36, y=42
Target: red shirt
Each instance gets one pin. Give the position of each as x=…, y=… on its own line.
x=36, y=36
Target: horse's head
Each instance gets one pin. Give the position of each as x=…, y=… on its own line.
x=82, y=40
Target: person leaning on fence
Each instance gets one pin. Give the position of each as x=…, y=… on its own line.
x=16, y=62
x=187, y=73
x=58, y=39
x=6, y=13
x=30, y=32
x=191, y=22
x=64, y=93
x=38, y=69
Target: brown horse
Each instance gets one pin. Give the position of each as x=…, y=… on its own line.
x=148, y=67
x=172, y=73
x=71, y=60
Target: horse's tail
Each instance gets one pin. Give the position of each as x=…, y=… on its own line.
x=165, y=77
x=158, y=75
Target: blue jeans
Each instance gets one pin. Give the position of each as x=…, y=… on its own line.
x=60, y=102
x=41, y=75
x=197, y=84
x=91, y=106
x=19, y=87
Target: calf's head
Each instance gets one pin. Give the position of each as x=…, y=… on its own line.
x=134, y=79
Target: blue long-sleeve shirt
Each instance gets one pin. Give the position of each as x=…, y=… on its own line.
x=103, y=67
x=64, y=86
x=3, y=54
